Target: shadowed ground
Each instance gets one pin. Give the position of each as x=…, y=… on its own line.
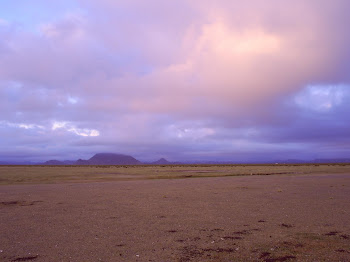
x=244, y=218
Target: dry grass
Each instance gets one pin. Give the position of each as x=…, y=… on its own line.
x=59, y=174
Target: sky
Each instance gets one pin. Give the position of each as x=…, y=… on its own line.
x=197, y=80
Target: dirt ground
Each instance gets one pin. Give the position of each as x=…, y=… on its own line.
x=303, y=217
x=10, y=175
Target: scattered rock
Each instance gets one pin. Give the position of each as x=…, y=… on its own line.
x=287, y=225
x=28, y=258
x=332, y=233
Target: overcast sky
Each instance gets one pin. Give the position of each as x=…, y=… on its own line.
x=223, y=80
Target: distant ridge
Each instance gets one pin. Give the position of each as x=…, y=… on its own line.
x=14, y=163
x=109, y=159
x=332, y=160
x=53, y=163
x=161, y=161
x=121, y=159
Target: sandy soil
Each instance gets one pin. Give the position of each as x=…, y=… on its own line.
x=10, y=175
x=247, y=218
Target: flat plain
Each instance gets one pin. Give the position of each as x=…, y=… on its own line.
x=175, y=213
x=69, y=173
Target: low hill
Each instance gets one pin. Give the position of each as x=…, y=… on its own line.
x=54, y=163
x=332, y=160
x=161, y=161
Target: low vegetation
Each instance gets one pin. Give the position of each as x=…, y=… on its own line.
x=69, y=173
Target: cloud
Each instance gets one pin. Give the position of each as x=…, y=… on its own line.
x=78, y=131
x=204, y=77
x=21, y=125
x=3, y=22
x=321, y=98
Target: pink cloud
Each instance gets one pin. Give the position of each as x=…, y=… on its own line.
x=134, y=68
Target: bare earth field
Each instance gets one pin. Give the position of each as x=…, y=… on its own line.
x=208, y=213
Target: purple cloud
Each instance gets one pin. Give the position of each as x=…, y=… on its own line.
x=185, y=80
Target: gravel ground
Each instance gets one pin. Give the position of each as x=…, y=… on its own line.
x=247, y=218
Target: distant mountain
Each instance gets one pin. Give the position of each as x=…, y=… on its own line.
x=318, y=161
x=69, y=162
x=109, y=159
x=53, y=163
x=26, y=163
x=289, y=161
x=332, y=160
x=80, y=162
x=161, y=161
x=120, y=159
